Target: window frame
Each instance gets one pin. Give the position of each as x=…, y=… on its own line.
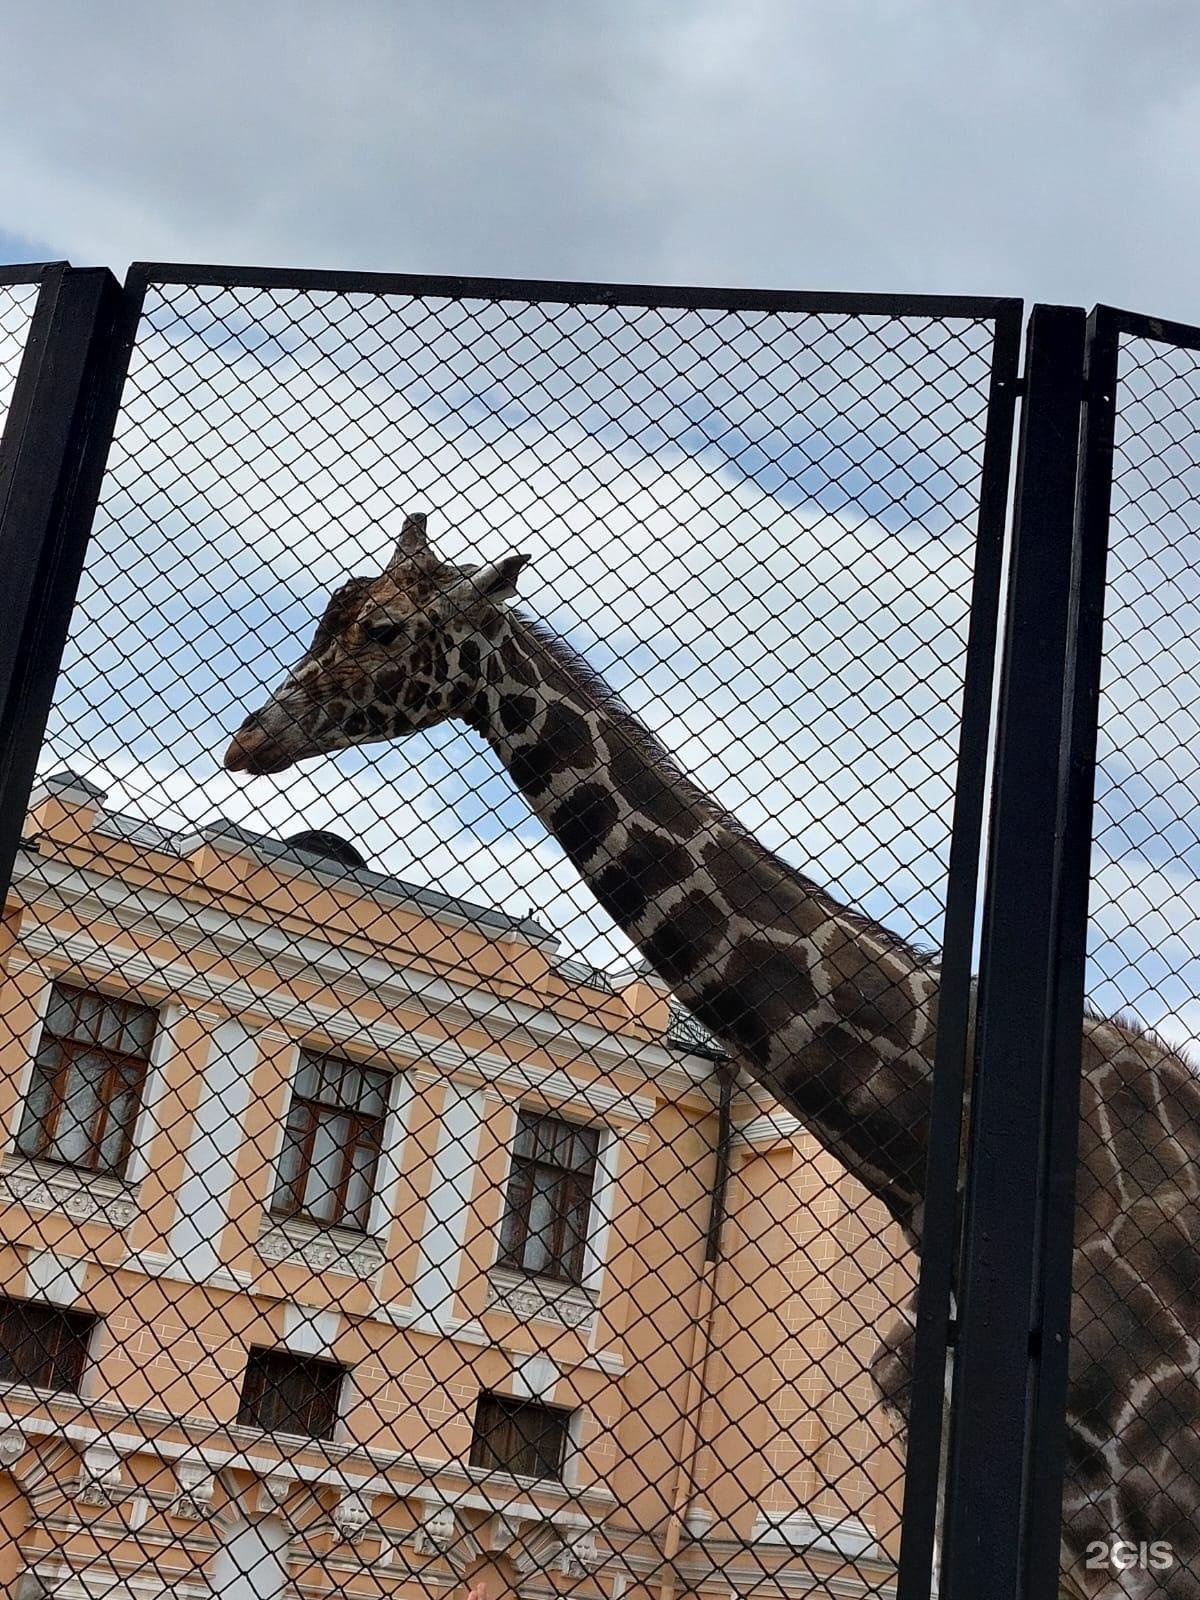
x=80, y=1337
x=313, y=1106
x=270, y=1390
x=569, y=1269
x=114, y=1083
x=482, y=1438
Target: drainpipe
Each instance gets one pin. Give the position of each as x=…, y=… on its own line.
x=701, y=1337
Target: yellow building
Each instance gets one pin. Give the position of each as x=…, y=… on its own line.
x=356, y=1244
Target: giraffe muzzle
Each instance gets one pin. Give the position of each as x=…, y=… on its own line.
x=255, y=753
x=268, y=741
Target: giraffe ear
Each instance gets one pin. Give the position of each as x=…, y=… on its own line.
x=496, y=580
x=412, y=541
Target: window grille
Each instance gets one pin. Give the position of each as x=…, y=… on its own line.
x=43, y=1346
x=331, y=1143
x=520, y=1436
x=548, y=1198
x=285, y=1393
x=87, y=1081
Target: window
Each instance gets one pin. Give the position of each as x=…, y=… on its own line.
x=548, y=1199
x=331, y=1143
x=87, y=1081
x=43, y=1346
x=520, y=1436
x=283, y=1393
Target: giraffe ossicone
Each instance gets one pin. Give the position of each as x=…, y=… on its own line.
x=832, y=1012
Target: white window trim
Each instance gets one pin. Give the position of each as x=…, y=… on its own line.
x=401, y=1094
x=600, y=1211
x=170, y=1013
x=32, y=1043
x=347, y=1398
x=572, y=1454
x=380, y=1219
x=89, y=1377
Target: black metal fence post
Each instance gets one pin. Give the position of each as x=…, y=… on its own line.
x=1027, y=1057
x=1081, y=708
x=52, y=456
x=940, y=1218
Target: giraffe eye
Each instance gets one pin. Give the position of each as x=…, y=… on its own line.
x=381, y=631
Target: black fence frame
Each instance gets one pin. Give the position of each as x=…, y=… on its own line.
x=1004, y=1246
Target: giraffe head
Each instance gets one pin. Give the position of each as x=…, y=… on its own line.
x=392, y=654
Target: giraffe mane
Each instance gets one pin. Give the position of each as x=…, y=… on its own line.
x=584, y=676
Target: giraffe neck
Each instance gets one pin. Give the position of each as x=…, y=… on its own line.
x=833, y=1014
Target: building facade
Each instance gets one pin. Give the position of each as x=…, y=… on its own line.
x=357, y=1244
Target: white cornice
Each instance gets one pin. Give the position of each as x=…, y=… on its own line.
x=356, y=1467
x=776, y=1127
x=192, y=925
x=599, y=1099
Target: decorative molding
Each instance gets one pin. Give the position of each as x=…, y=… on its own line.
x=227, y=1278
x=91, y=894
x=352, y=1515
x=275, y=1490
x=580, y=1555
x=99, y=1475
x=441, y=1532
x=197, y=1486
x=540, y=1300
x=313, y=1464
x=545, y=1544
x=698, y=1519
x=775, y=1127
x=82, y=1196
x=238, y=999
x=12, y=1447
x=802, y=1530
x=293, y=1242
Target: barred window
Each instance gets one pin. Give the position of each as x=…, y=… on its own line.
x=549, y=1197
x=43, y=1346
x=331, y=1143
x=87, y=1081
x=285, y=1393
x=520, y=1436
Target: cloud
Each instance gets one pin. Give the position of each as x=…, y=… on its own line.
x=770, y=564
x=1040, y=150
x=798, y=647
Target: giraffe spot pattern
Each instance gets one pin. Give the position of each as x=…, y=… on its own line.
x=646, y=792
x=684, y=941
x=584, y=820
x=762, y=989
x=647, y=867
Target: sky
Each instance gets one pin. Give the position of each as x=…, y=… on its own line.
x=1044, y=151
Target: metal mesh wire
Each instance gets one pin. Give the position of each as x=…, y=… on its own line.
x=1133, y=1467
x=400, y=1229
x=17, y=301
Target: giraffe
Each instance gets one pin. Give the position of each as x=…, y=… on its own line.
x=832, y=1012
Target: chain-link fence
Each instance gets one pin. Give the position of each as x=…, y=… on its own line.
x=1133, y=1481
x=468, y=1012
x=18, y=297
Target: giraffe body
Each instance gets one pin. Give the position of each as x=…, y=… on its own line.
x=833, y=1013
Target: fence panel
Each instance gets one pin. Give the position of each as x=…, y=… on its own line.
x=1132, y=1466
x=18, y=297
x=386, y=1210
